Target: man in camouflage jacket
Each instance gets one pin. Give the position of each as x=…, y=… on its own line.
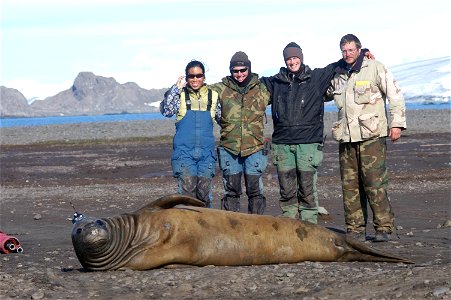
x=243, y=101
x=360, y=88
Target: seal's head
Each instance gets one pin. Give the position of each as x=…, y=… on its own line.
x=90, y=238
x=104, y=243
x=90, y=233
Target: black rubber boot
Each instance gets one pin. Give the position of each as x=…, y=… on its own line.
x=257, y=202
x=189, y=186
x=203, y=190
x=231, y=200
x=230, y=203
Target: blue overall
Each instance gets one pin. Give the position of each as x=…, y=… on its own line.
x=193, y=158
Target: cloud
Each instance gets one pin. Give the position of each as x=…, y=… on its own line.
x=150, y=42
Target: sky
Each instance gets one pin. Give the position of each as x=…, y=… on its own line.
x=45, y=44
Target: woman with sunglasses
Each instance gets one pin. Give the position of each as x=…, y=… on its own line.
x=241, y=151
x=195, y=106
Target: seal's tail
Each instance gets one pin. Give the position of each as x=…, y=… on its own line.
x=360, y=252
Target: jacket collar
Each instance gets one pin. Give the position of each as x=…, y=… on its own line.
x=231, y=83
x=342, y=68
x=286, y=76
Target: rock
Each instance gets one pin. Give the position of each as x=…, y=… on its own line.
x=38, y=295
x=438, y=291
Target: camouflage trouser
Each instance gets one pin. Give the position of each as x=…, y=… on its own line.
x=297, y=171
x=364, y=178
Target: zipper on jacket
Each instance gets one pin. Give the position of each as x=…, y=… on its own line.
x=198, y=99
x=302, y=108
x=242, y=122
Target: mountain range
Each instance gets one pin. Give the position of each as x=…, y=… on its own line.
x=89, y=95
x=426, y=81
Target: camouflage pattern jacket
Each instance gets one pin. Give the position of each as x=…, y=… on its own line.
x=360, y=98
x=242, y=115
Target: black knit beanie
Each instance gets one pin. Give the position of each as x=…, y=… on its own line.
x=292, y=49
x=240, y=59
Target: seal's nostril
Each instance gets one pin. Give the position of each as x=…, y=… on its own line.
x=99, y=222
x=79, y=230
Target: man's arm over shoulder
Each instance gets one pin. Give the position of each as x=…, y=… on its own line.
x=268, y=82
x=218, y=87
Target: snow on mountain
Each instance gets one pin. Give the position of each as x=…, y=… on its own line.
x=422, y=82
x=426, y=81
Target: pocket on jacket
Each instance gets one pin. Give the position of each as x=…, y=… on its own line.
x=338, y=95
x=369, y=125
x=362, y=92
x=340, y=131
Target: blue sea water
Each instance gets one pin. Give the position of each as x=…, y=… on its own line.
x=42, y=121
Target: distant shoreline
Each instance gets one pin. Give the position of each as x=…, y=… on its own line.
x=23, y=121
x=418, y=121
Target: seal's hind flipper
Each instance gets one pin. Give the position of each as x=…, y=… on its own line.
x=170, y=201
x=361, y=252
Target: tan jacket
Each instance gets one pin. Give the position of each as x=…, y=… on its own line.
x=360, y=100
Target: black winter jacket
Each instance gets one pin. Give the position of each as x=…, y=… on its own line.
x=298, y=104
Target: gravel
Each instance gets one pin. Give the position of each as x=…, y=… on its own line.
x=418, y=121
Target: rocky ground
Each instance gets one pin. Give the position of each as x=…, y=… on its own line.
x=103, y=173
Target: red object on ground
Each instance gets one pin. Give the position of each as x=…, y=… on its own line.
x=9, y=244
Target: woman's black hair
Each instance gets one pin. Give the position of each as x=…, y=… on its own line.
x=194, y=63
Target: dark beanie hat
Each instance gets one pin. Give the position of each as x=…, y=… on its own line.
x=292, y=49
x=240, y=59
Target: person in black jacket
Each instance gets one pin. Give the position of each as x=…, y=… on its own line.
x=297, y=96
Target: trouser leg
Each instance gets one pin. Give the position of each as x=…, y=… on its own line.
x=232, y=185
x=256, y=201
x=308, y=204
x=308, y=159
x=203, y=191
x=288, y=189
x=375, y=181
x=284, y=160
x=352, y=187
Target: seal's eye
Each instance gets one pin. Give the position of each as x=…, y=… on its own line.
x=79, y=230
x=100, y=223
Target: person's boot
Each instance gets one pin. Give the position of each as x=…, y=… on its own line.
x=357, y=235
x=203, y=191
x=231, y=203
x=188, y=185
x=256, y=201
x=382, y=236
x=257, y=205
x=289, y=211
x=232, y=186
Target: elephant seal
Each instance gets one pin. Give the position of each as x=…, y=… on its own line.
x=177, y=230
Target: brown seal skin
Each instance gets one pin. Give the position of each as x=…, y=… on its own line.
x=176, y=229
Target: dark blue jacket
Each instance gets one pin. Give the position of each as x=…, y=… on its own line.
x=298, y=104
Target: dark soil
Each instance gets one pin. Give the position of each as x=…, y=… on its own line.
x=105, y=178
